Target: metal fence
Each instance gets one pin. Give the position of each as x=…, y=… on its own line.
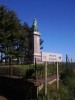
x=29, y=70
x=9, y=71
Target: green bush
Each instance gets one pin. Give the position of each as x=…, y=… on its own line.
x=27, y=71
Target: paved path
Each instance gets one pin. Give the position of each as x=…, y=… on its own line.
x=49, y=79
x=40, y=81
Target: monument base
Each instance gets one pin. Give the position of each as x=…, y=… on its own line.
x=38, y=57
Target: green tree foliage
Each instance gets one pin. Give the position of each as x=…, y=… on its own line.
x=41, y=42
x=13, y=36
x=9, y=27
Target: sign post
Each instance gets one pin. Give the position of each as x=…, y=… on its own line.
x=45, y=78
x=57, y=76
x=51, y=57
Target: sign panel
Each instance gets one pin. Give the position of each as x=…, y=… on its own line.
x=51, y=57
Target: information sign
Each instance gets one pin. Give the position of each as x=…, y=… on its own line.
x=51, y=57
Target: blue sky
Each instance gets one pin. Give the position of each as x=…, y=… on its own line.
x=56, y=22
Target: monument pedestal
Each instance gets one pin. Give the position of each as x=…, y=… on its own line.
x=38, y=58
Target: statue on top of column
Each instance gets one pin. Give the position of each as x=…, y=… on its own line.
x=34, y=26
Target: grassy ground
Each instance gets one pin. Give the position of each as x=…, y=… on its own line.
x=66, y=90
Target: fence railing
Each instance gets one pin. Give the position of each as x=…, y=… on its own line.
x=28, y=71
x=9, y=71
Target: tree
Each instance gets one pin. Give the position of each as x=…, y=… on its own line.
x=41, y=42
x=9, y=27
x=24, y=43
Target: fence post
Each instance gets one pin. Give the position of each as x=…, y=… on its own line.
x=57, y=76
x=66, y=61
x=35, y=70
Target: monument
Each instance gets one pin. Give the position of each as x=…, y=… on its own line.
x=35, y=36
x=35, y=49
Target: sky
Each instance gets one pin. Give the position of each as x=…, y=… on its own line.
x=56, y=22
